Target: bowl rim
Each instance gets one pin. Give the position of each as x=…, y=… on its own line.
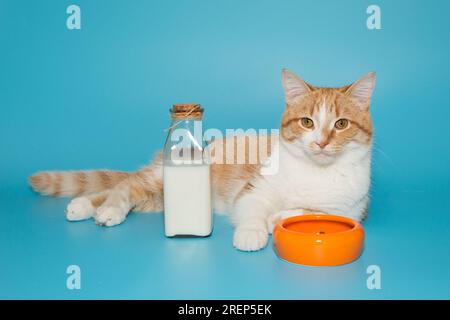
x=319, y=216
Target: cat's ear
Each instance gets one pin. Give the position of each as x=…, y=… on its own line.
x=361, y=90
x=294, y=87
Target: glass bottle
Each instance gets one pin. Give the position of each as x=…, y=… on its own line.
x=187, y=181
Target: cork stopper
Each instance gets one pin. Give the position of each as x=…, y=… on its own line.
x=186, y=111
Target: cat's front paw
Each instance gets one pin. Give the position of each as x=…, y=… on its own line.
x=247, y=239
x=79, y=209
x=109, y=216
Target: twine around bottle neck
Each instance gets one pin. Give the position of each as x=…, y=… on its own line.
x=182, y=112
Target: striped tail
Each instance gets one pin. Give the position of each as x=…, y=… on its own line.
x=75, y=183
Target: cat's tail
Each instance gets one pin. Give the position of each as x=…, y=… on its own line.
x=75, y=183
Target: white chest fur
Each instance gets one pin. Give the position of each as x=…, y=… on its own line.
x=340, y=188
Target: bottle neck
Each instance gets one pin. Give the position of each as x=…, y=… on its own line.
x=192, y=125
x=185, y=142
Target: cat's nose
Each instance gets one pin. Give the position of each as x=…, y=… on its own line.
x=322, y=144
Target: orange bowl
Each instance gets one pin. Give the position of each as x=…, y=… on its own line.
x=318, y=240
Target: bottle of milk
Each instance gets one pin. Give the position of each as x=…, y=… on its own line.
x=187, y=183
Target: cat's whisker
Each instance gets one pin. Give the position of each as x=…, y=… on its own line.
x=384, y=154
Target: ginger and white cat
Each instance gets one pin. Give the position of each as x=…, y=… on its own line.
x=324, y=152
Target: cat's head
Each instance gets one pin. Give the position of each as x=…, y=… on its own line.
x=326, y=123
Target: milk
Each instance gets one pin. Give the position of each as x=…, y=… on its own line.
x=187, y=200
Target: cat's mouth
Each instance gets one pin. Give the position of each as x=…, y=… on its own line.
x=323, y=157
x=320, y=156
x=323, y=153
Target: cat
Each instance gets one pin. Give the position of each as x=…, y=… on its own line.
x=324, y=151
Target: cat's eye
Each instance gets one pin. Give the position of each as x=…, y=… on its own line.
x=341, y=124
x=307, y=122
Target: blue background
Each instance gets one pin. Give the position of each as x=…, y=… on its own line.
x=99, y=98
